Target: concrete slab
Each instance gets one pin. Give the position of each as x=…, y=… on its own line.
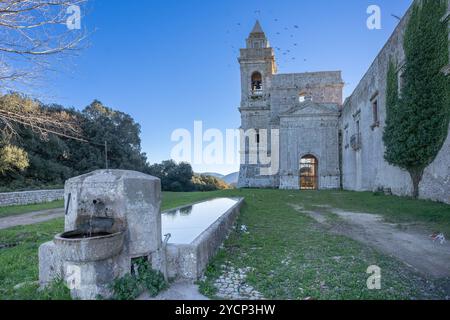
x=178, y=291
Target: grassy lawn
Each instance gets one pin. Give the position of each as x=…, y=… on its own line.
x=16, y=210
x=433, y=215
x=294, y=258
x=291, y=256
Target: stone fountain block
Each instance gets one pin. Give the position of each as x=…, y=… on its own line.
x=119, y=199
x=112, y=217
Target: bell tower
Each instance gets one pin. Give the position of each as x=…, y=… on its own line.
x=257, y=62
x=258, y=65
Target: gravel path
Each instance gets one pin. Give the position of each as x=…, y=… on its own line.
x=30, y=218
x=177, y=291
x=411, y=245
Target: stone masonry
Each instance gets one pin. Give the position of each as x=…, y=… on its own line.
x=344, y=138
x=30, y=197
x=365, y=169
x=302, y=107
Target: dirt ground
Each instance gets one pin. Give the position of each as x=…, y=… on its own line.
x=410, y=244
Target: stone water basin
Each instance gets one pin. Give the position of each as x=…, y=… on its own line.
x=80, y=246
x=197, y=232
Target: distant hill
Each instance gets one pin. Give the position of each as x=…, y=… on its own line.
x=231, y=179
x=213, y=174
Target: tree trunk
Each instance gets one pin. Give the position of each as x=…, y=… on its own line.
x=416, y=176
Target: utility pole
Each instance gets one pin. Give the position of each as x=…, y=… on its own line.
x=106, y=155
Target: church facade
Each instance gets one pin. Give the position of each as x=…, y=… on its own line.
x=323, y=141
x=303, y=108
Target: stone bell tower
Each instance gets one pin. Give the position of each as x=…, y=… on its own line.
x=257, y=63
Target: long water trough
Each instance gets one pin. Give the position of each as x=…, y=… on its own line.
x=113, y=218
x=196, y=233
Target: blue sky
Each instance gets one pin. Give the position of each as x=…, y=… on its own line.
x=169, y=63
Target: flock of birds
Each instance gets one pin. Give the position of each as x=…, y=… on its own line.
x=283, y=55
x=292, y=33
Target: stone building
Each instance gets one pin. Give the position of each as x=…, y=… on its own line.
x=362, y=122
x=303, y=107
x=324, y=143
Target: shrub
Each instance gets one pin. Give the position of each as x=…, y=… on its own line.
x=208, y=183
x=144, y=278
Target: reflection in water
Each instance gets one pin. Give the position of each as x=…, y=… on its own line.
x=187, y=223
x=186, y=211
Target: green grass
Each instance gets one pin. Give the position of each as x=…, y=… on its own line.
x=321, y=265
x=16, y=210
x=433, y=215
x=19, y=263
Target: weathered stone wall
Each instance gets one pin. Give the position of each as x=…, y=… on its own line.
x=310, y=131
x=30, y=197
x=263, y=110
x=365, y=169
x=322, y=87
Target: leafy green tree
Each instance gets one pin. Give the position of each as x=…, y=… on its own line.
x=174, y=177
x=55, y=158
x=417, y=122
x=101, y=124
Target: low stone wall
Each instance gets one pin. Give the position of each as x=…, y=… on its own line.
x=30, y=197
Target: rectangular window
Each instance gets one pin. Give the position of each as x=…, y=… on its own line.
x=375, y=111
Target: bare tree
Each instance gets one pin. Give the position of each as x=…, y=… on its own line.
x=33, y=33
x=18, y=110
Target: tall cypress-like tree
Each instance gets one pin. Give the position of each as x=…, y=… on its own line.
x=417, y=122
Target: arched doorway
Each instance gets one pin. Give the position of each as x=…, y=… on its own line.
x=309, y=169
